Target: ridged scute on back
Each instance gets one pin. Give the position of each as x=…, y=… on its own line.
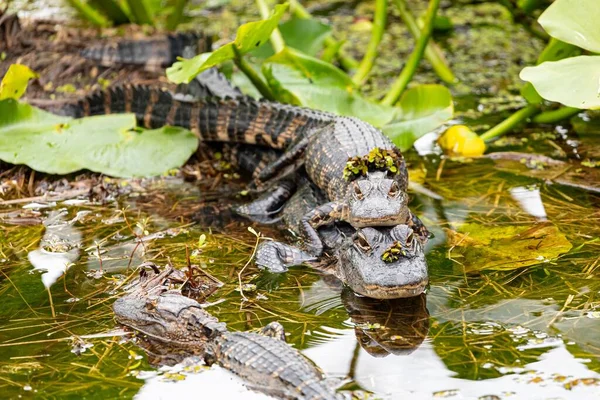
x=271, y=364
x=331, y=148
x=231, y=120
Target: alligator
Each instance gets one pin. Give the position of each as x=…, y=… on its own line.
x=263, y=360
x=357, y=257
x=153, y=53
x=374, y=198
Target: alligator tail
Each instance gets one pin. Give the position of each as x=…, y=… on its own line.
x=240, y=120
x=153, y=53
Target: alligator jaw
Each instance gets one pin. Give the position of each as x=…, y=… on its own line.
x=397, y=292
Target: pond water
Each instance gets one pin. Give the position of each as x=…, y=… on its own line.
x=512, y=312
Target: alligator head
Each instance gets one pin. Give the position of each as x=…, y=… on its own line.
x=383, y=263
x=169, y=318
x=378, y=199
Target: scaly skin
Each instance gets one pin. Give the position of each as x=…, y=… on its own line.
x=264, y=361
x=154, y=53
x=358, y=255
x=328, y=141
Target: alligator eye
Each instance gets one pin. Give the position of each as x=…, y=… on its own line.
x=394, y=190
x=361, y=242
x=358, y=194
x=150, y=305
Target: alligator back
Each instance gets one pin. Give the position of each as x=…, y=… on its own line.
x=240, y=120
x=270, y=365
x=153, y=53
x=328, y=152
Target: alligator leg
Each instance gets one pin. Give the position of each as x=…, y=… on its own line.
x=322, y=215
x=277, y=257
x=274, y=330
x=264, y=209
x=293, y=154
x=419, y=228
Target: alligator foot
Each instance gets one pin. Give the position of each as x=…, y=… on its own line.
x=274, y=330
x=265, y=208
x=277, y=257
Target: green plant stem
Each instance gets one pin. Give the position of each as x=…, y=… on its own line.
x=410, y=68
x=433, y=53
x=256, y=80
x=140, y=12
x=176, y=15
x=89, y=13
x=346, y=60
x=550, y=117
x=276, y=38
x=510, y=122
x=377, y=33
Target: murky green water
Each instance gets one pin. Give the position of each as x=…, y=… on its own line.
x=505, y=317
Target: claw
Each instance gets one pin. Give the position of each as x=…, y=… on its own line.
x=277, y=257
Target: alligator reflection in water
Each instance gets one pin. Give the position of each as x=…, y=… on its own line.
x=384, y=327
x=59, y=247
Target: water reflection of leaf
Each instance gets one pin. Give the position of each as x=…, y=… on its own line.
x=480, y=247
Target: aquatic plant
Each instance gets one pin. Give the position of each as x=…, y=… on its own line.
x=105, y=13
x=290, y=75
x=562, y=74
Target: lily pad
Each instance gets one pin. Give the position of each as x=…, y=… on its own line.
x=574, y=82
x=483, y=247
x=574, y=22
x=249, y=37
x=108, y=144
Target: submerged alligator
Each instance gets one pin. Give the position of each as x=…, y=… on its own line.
x=263, y=360
x=377, y=197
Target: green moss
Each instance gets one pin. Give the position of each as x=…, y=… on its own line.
x=377, y=160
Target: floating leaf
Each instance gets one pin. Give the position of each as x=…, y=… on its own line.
x=249, y=37
x=480, y=247
x=460, y=140
x=574, y=82
x=15, y=81
x=106, y=144
x=574, y=22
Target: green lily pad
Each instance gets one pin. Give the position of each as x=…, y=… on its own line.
x=249, y=37
x=574, y=82
x=484, y=247
x=107, y=144
x=574, y=22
